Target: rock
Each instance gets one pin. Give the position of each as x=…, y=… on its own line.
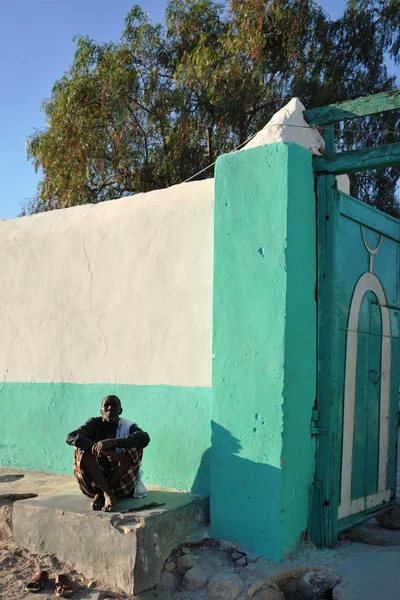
x=196, y=579
x=252, y=558
x=258, y=584
x=314, y=584
x=186, y=562
x=95, y=596
x=167, y=583
x=213, y=562
x=289, y=587
x=391, y=518
x=92, y=584
x=262, y=566
x=225, y=587
x=186, y=550
x=269, y=593
x=170, y=566
x=372, y=533
x=242, y=562
x=236, y=555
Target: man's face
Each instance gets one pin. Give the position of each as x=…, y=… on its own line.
x=111, y=409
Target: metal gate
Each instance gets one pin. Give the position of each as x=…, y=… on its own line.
x=358, y=294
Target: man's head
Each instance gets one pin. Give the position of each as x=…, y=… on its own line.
x=111, y=409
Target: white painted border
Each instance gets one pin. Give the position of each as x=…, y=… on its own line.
x=368, y=282
x=379, y=498
x=360, y=504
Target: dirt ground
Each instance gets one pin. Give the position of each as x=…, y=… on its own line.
x=17, y=566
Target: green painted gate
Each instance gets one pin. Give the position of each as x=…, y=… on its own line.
x=368, y=359
x=359, y=380
x=358, y=293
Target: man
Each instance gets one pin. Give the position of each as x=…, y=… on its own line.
x=108, y=453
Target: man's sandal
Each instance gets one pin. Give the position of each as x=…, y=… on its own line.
x=37, y=582
x=63, y=586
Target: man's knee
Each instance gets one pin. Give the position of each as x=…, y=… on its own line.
x=125, y=460
x=86, y=456
x=88, y=461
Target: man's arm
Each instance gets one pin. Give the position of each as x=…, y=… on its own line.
x=136, y=438
x=82, y=437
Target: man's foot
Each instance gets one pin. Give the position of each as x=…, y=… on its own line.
x=98, y=502
x=109, y=501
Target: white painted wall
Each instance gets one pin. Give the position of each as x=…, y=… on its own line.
x=115, y=292
x=120, y=291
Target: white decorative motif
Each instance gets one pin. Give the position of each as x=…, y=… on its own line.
x=372, y=251
x=368, y=282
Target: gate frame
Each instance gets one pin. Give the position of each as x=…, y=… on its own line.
x=325, y=419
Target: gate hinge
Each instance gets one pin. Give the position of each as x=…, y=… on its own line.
x=315, y=430
x=318, y=430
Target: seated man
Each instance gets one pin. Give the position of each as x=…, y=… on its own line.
x=108, y=453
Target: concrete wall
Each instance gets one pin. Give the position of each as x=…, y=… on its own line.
x=118, y=298
x=110, y=298
x=264, y=347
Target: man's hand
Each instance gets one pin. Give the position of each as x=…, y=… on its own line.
x=100, y=447
x=112, y=455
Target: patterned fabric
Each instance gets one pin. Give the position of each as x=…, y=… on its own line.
x=124, y=488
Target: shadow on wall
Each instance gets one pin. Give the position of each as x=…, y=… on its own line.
x=227, y=443
x=246, y=495
x=203, y=474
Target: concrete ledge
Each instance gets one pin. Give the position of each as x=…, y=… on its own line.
x=121, y=550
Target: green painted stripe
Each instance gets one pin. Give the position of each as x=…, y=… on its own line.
x=368, y=215
x=350, y=109
x=37, y=417
x=355, y=161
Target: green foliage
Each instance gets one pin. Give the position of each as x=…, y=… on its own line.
x=167, y=100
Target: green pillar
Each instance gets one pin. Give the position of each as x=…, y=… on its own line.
x=264, y=347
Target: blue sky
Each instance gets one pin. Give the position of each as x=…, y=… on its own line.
x=36, y=47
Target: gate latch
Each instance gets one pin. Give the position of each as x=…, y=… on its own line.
x=314, y=429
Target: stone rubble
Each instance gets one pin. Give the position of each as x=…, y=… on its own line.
x=258, y=585
x=225, y=587
x=217, y=571
x=167, y=583
x=96, y=596
x=170, y=566
x=391, y=518
x=315, y=584
x=196, y=578
x=236, y=555
x=213, y=562
x=269, y=593
x=92, y=584
x=186, y=562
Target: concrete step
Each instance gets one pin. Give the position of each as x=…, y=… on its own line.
x=121, y=550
